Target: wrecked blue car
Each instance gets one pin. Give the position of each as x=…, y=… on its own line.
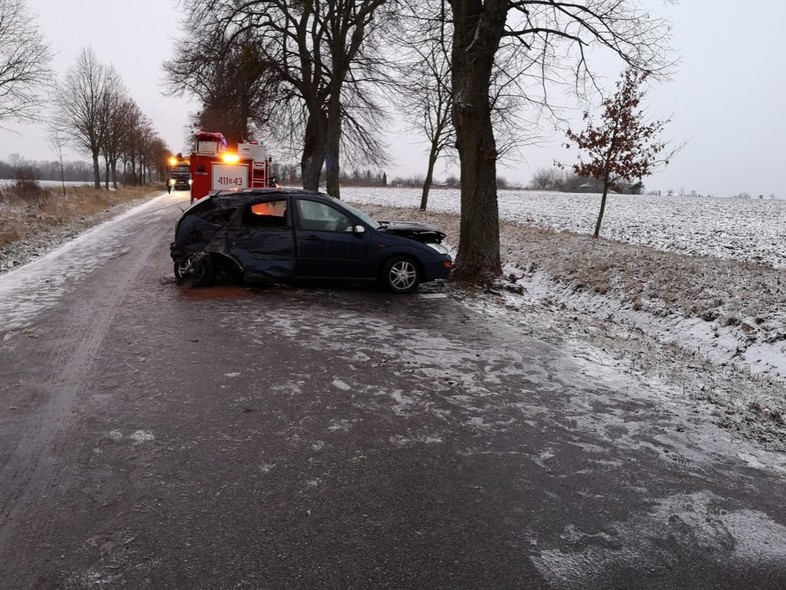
x=274, y=235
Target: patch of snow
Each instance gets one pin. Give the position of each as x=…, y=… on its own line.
x=339, y=384
x=140, y=436
x=711, y=340
x=340, y=425
x=266, y=468
x=656, y=539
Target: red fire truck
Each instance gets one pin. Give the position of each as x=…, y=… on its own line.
x=214, y=167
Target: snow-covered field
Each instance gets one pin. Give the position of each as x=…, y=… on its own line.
x=751, y=230
x=4, y=182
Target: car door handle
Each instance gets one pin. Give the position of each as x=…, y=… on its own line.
x=311, y=238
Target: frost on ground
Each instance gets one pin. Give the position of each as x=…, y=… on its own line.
x=655, y=539
x=713, y=327
x=40, y=218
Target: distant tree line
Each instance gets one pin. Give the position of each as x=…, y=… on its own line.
x=291, y=175
x=95, y=115
x=568, y=181
x=451, y=181
x=418, y=181
x=92, y=112
x=18, y=167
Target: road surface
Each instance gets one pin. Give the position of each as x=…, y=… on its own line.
x=158, y=437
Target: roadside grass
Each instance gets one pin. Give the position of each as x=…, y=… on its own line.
x=27, y=208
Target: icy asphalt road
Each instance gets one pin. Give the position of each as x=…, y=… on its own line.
x=157, y=437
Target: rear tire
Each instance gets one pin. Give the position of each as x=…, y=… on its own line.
x=400, y=275
x=195, y=271
x=182, y=268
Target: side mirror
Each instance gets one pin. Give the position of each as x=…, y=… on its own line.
x=359, y=229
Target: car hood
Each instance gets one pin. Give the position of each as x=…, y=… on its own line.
x=421, y=232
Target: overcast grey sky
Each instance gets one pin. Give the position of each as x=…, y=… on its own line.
x=726, y=99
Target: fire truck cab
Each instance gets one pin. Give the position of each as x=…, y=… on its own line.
x=178, y=173
x=214, y=167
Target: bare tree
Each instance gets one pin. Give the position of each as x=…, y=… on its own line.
x=141, y=148
x=117, y=106
x=149, y=149
x=15, y=160
x=546, y=179
x=129, y=146
x=622, y=147
x=57, y=144
x=427, y=99
x=425, y=94
x=544, y=40
x=24, y=63
x=230, y=77
x=159, y=155
x=323, y=57
x=82, y=106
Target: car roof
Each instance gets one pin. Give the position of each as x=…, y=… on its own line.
x=237, y=198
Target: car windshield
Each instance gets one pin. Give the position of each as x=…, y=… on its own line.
x=363, y=215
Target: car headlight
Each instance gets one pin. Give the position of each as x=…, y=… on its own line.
x=438, y=247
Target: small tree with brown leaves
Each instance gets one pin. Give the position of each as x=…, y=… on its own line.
x=622, y=148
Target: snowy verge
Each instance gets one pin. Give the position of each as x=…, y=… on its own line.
x=710, y=330
x=735, y=344
x=631, y=343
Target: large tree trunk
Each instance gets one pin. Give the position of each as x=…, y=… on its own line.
x=478, y=28
x=332, y=155
x=62, y=175
x=602, y=205
x=432, y=160
x=314, y=146
x=96, y=171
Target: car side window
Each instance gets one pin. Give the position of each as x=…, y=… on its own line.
x=266, y=214
x=219, y=216
x=316, y=216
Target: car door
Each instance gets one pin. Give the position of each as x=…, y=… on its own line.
x=262, y=239
x=327, y=245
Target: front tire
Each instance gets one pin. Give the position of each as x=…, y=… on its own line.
x=400, y=275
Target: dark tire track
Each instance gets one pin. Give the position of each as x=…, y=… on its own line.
x=32, y=468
